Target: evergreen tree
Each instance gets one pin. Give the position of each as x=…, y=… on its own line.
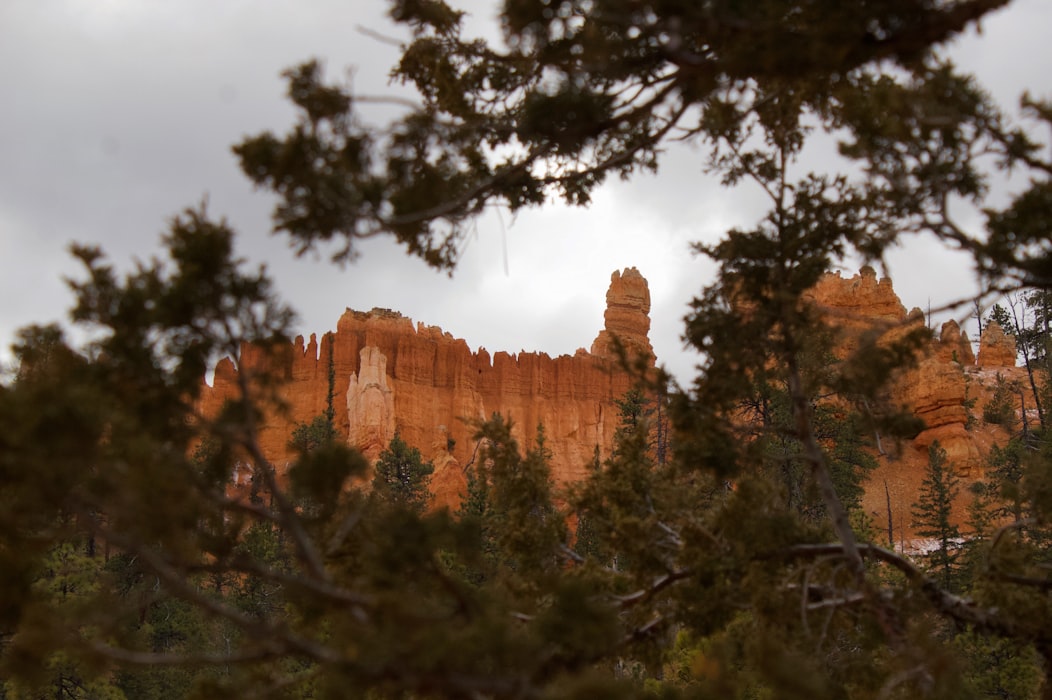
x=633, y=413
x=1001, y=408
x=521, y=514
x=402, y=477
x=999, y=668
x=310, y=436
x=587, y=540
x=933, y=515
x=999, y=315
x=96, y=440
x=1027, y=320
x=1005, y=478
x=843, y=443
x=69, y=579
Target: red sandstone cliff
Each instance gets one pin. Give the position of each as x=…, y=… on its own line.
x=393, y=376
x=948, y=377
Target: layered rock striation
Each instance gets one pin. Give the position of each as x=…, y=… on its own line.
x=389, y=375
x=996, y=348
x=627, y=319
x=945, y=389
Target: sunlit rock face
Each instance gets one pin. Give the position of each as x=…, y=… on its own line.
x=996, y=348
x=627, y=317
x=946, y=389
x=860, y=302
x=954, y=346
x=390, y=375
x=865, y=309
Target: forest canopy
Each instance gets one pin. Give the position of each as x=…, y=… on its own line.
x=132, y=569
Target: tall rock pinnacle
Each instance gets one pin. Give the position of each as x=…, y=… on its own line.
x=627, y=317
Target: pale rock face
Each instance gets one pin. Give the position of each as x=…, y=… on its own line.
x=370, y=405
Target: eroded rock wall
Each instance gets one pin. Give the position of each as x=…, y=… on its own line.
x=946, y=390
x=391, y=375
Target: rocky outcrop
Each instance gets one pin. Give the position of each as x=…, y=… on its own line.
x=370, y=404
x=945, y=389
x=388, y=375
x=627, y=318
x=935, y=392
x=862, y=308
x=996, y=348
x=860, y=300
x=954, y=346
x=858, y=305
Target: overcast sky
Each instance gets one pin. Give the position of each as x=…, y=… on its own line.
x=117, y=114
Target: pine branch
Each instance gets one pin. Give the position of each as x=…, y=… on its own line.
x=958, y=608
x=645, y=594
x=290, y=518
x=277, y=639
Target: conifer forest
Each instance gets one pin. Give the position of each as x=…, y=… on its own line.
x=716, y=550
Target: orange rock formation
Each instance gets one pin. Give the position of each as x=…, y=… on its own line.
x=938, y=390
x=860, y=302
x=996, y=348
x=390, y=375
x=627, y=317
x=953, y=345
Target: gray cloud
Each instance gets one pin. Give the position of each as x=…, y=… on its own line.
x=119, y=114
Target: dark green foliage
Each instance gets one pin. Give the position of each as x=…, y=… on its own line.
x=1001, y=408
x=734, y=566
x=586, y=90
x=999, y=315
x=839, y=432
x=587, y=539
x=515, y=491
x=933, y=515
x=616, y=504
x=1027, y=320
x=322, y=429
x=321, y=475
x=633, y=413
x=1000, y=668
x=1016, y=233
x=1005, y=477
x=402, y=477
x=310, y=436
x=1032, y=462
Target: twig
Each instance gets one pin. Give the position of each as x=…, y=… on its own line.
x=659, y=585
